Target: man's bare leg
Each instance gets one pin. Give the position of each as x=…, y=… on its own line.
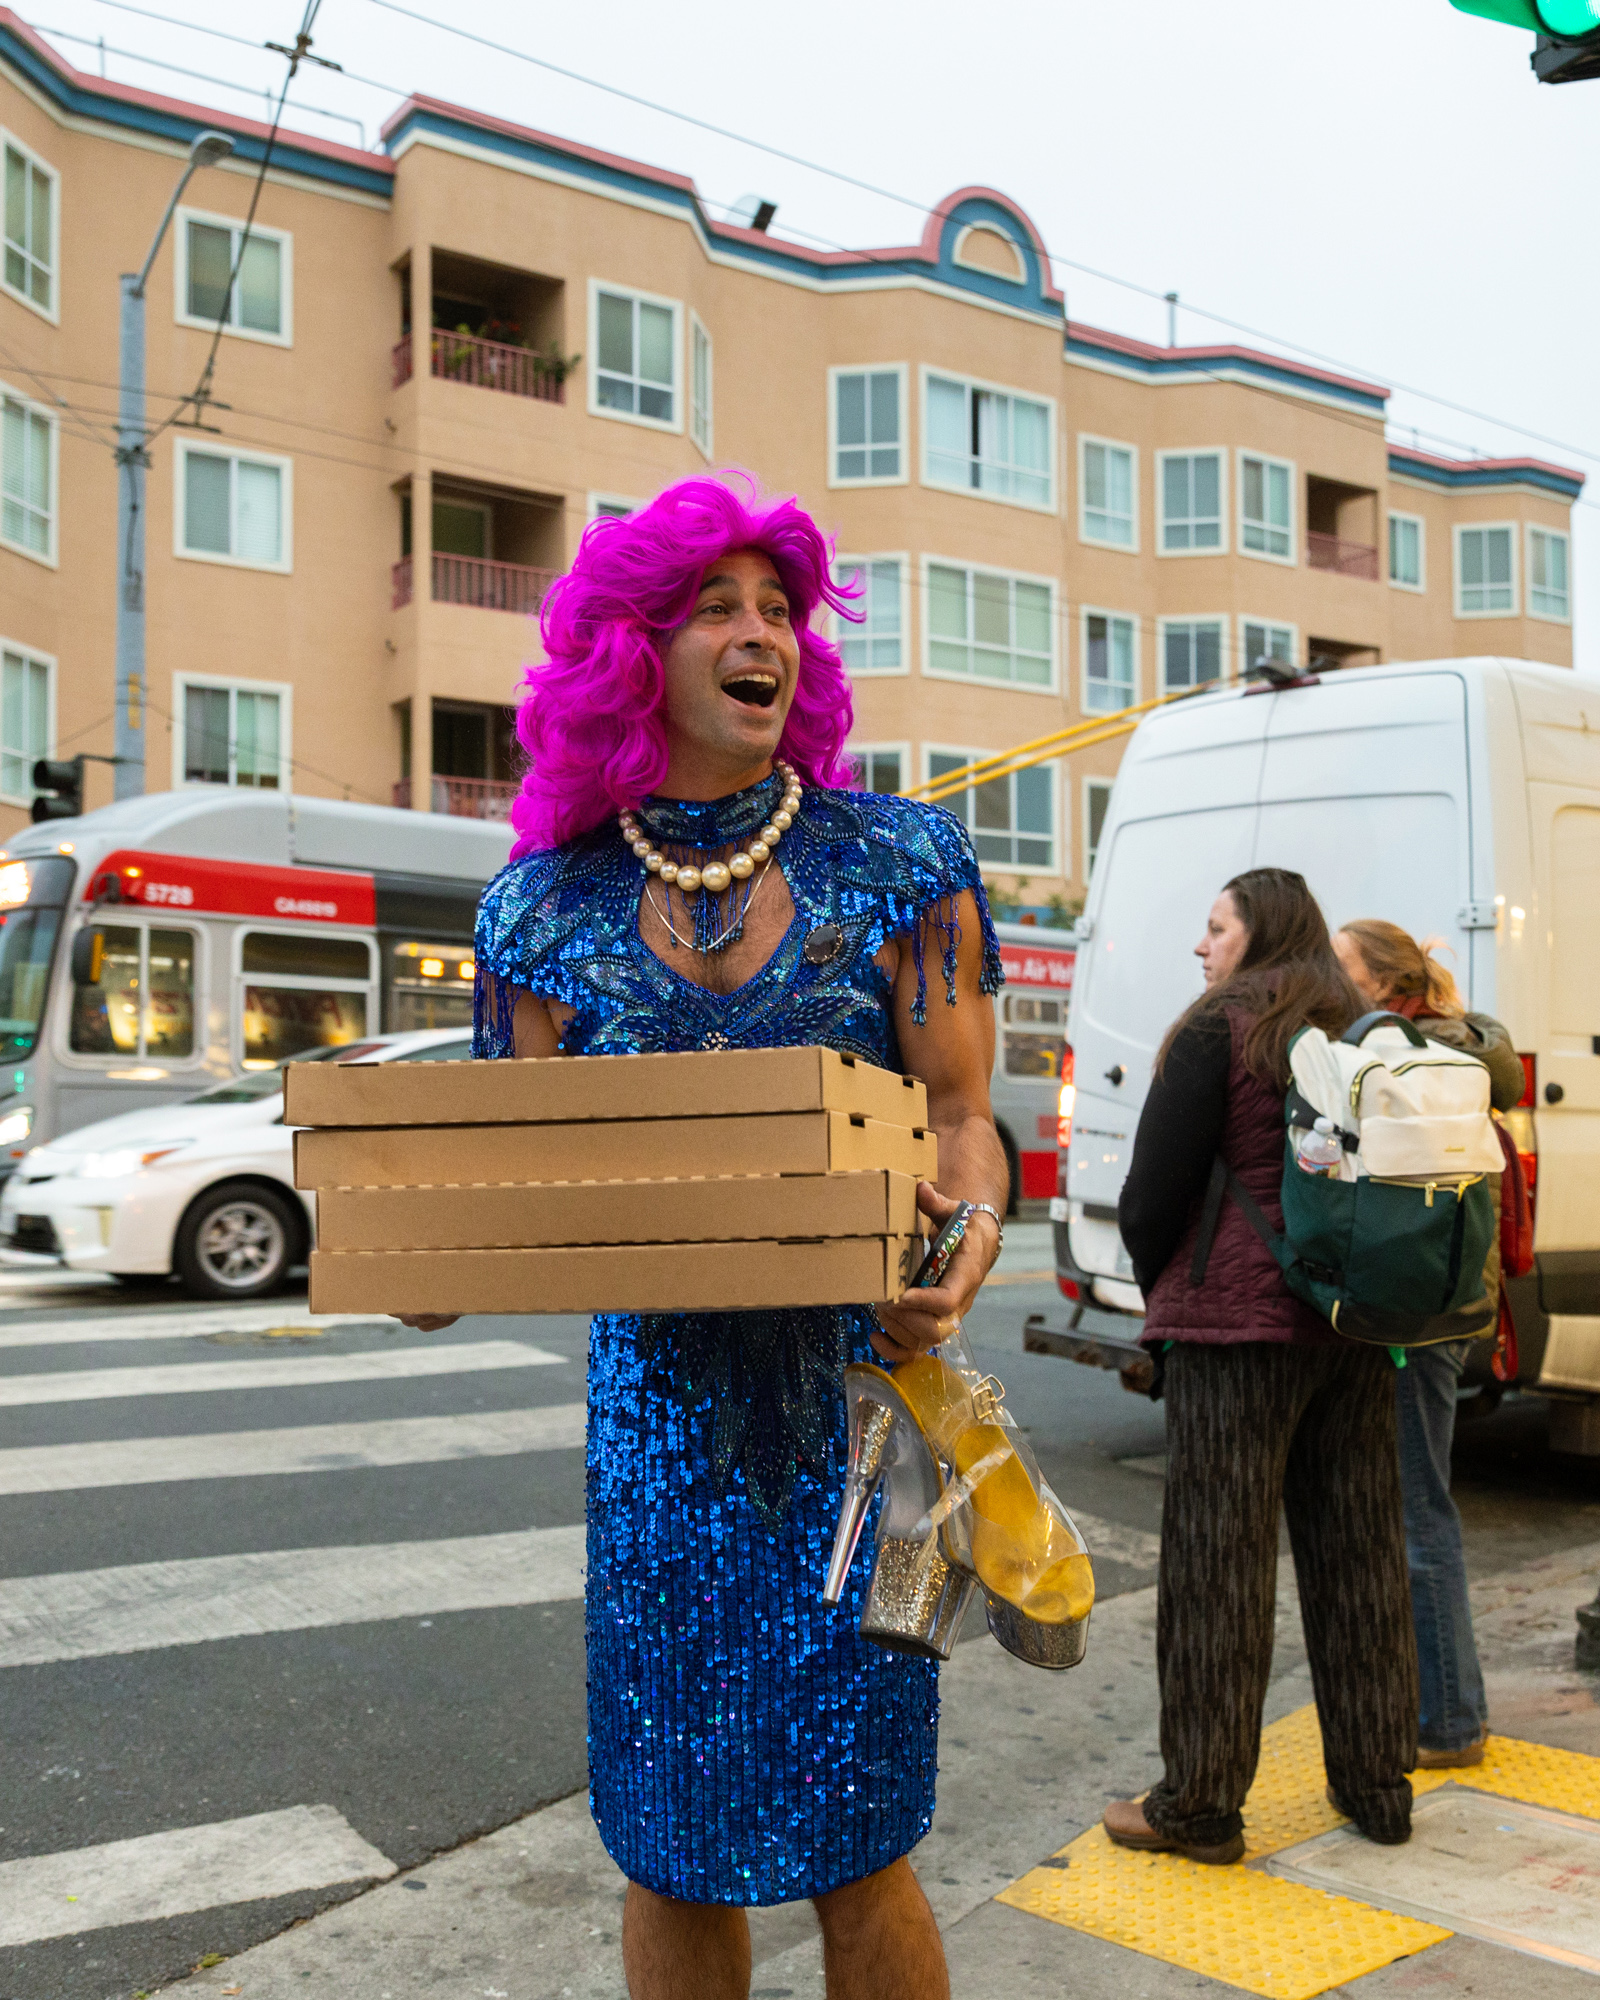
x=684, y=1951
x=879, y=1940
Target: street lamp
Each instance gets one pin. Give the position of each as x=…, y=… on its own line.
x=133, y=461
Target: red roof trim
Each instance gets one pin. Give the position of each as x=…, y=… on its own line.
x=1145, y=351
x=1486, y=464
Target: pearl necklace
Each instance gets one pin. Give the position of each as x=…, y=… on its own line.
x=717, y=877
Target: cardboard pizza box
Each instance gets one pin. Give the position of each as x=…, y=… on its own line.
x=559, y=1090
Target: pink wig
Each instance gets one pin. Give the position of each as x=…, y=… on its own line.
x=591, y=721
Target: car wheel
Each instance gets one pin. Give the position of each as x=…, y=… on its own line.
x=236, y=1243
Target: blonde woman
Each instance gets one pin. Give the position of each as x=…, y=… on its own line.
x=1391, y=969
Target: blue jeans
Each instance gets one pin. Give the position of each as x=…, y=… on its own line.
x=1454, y=1711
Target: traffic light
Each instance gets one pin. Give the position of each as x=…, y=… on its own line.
x=1568, y=48
x=60, y=788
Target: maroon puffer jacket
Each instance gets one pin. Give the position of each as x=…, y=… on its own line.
x=1243, y=1296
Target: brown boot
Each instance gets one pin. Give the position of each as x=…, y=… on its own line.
x=1451, y=1760
x=1125, y=1822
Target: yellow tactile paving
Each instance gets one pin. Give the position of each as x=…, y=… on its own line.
x=1246, y=1928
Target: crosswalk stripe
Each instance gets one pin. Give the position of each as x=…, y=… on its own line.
x=277, y=1371
x=190, y=1868
x=64, y=1468
x=1112, y=1542
x=84, y=1614
x=175, y=1325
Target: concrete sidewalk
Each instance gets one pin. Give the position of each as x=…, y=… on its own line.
x=1027, y=1762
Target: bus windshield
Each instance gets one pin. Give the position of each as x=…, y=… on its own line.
x=27, y=943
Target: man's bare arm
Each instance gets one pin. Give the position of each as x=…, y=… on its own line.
x=954, y=1055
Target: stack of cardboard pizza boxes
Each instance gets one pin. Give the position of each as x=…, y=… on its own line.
x=716, y=1181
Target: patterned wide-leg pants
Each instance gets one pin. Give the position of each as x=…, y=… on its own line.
x=1250, y=1427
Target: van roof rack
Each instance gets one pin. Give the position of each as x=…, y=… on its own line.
x=1274, y=676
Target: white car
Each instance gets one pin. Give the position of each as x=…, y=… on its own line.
x=205, y=1188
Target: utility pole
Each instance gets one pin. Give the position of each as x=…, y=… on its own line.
x=1172, y=318
x=133, y=461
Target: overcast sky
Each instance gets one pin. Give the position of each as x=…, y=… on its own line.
x=1380, y=181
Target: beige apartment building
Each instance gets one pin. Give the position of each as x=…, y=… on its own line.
x=441, y=361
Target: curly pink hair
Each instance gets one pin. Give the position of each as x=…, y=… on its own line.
x=591, y=721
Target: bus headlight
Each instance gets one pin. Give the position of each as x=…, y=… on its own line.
x=15, y=1125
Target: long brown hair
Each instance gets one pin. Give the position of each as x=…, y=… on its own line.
x=1404, y=968
x=1287, y=979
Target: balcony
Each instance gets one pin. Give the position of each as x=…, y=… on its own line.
x=464, y=798
x=484, y=364
x=1332, y=552
x=490, y=586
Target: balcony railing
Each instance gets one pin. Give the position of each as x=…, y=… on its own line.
x=483, y=364
x=466, y=798
x=1344, y=558
x=491, y=586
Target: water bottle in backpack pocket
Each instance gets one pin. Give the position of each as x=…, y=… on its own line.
x=1388, y=1208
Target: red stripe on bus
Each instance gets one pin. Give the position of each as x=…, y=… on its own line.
x=179, y=882
x=1037, y=965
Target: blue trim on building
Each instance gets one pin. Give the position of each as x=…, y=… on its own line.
x=1029, y=296
x=1183, y=362
x=1463, y=477
x=108, y=110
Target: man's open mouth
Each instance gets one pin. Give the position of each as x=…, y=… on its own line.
x=754, y=689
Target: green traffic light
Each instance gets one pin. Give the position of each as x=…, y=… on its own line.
x=1515, y=13
x=1572, y=19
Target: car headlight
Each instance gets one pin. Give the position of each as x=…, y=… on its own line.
x=16, y=1125
x=125, y=1160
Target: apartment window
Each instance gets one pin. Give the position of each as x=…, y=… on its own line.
x=25, y=705
x=868, y=417
x=878, y=645
x=636, y=357
x=1011, y=819
x=700, y=385
x=988, y=441
x=1108, y=663
x=1547, y=575
x=1096, y=798
x=1259, y=641
x=27, y=478
x=233, y=507
x=30, y=228
x=611, y=507
x=1108, y=494
x=1265, y=525
x=1485, y=578
x=1405, y=551
x=1191, y=501
x=1191, y=653
x=882, y=766
x=990, y=626
x=234, y=734
x=214, y=250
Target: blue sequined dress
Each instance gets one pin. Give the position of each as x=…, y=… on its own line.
x=745, y=1744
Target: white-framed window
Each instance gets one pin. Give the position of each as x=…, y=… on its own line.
x=1012, y=819
x=27, y=717
x=1110, y=661
x=234, y=507
x=1486, y=571
x=699, y=386
x=989, y=625
x=1194, y=653
x=612, y=506
x=1266, y=507
x=1108, y=493
x=882, y=643
x=883, y=767
x=30, y=446
x=1407, y=552
x=231, y=733
x=867, y=426
x=636, y=340
x=30, y=203
x=1193, y=513
x=983, y=439
x=259, y=304
x=1096, y=798
x=1549, y=571
x=1261, y=640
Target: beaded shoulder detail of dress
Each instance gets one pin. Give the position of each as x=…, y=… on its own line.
x=861, y=868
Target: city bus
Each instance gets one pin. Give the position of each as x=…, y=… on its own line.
x=164, y=943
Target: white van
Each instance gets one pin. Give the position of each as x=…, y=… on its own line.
x=1459, y=798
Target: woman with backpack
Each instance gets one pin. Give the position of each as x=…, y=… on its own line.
x=1266, y=1405
x=1390, y=969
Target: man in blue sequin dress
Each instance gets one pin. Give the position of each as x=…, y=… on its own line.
x=746, y=1745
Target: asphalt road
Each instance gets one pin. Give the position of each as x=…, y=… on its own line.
x=254, y=1585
